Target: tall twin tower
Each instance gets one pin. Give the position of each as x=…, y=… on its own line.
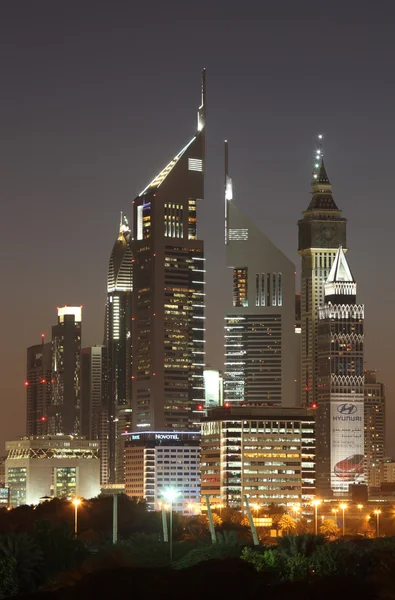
x=155, y=321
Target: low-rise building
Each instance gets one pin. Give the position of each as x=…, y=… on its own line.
x=264, y=453
x=157, y=460
x=51, y=466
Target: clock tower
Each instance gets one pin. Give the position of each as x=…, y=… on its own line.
x=321, y=231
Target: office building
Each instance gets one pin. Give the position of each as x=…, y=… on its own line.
x=321, y=231
x=157, y=460
x=119, y=348
x=374, y=422
x=340, y=383
x=64, y=414
x=213, y=388
x=260, y=343
x=93, y=389
x=264, y=453
x=382, y=472
x=58, y=467
x=38, y=387
x=168, y=293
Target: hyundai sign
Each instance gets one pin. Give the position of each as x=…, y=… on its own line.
x=347, y=444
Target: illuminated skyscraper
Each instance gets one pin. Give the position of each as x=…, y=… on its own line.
x=260, y=342
x=374, y=408
x=119, y=348
x=64, y=415
x=38, y=387
x=168, y=293
x=321, y=231
x=340, y=383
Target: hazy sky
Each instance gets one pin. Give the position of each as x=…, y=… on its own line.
x=97, y=96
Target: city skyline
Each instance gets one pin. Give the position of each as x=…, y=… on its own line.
x=357, y=152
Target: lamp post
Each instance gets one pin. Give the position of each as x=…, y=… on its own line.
x=316, y=503
x=170, y=495
x=377, y=512
x=76, y=503
x=343, y=508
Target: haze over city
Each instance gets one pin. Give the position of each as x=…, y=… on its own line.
x=97, y=96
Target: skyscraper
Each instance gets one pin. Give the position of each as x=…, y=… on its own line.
x=119, y=348
x=93, y=389
x=340, y=383
x=64, y=414
x=374, y=408
x=38, y=387
x=168, y=292
x=321, y=231
x=260, y=341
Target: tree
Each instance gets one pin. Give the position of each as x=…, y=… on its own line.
x=329, y=528
x=287, y=524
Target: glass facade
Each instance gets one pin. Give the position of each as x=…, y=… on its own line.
x=17, y=482
x=65, y=482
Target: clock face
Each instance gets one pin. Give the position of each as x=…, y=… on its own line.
x=328, y=233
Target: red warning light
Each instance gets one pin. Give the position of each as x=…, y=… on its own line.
x=200, y=407
x=314, y=405
x=42, y=381
x=26, y=383
x=43, y=335
x=43, y=419
x=227, y=404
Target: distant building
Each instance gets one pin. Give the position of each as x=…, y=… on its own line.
x=382, y=473
x=260, y=343
x=64, y=415
x=213, y=388
x=264, y=453
x=119, y=349
x=157, y=460
x=340, y=383
x=168, y=293
x=58, y=466
x=374, y=423
x=38, y=387
x=321, y=231
x=93, y=388
x=2, y=470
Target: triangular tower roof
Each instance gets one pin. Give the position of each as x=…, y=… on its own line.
x=322, y=191
x=340, y=271
x=322, y=177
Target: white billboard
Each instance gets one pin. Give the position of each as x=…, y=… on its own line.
x=347, y=444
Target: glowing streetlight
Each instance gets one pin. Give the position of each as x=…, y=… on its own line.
x=191, y=507
x=256, y=507
x=343, y=508
x=377, y=512
x=359, y=507
x=316, y=503
x=170, y=495
x=76, y=502
x=220, y=506
x=296, y=509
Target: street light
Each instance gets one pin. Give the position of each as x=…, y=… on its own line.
x=343, y=508
x=316, y=503
x=170, y=495
x=76, y=503
x=191, y=507
x=296, y=509
x=256, y=507
x=377, y=512
x=360, y=507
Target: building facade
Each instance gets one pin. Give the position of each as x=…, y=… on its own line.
x=94, y=386
x=374, y=422
x=213, y=388
x=56, y=467
x=118, y=342
x=64, y=415
x=264, y=453
x=168, y=293
x=260, y=345
x=340, y=383
x=157, y=460
x=38, y=387
x=321, y=231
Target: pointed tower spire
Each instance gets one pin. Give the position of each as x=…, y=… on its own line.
x=202, y=107
x=340, y=286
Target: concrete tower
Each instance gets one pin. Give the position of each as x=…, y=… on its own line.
x=168, y=292
x=260, y=342
x=340, y=383
x=321, y=231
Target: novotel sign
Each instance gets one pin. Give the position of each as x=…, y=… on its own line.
x=167, y=436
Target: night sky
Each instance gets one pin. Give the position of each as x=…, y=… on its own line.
x=97, y=96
